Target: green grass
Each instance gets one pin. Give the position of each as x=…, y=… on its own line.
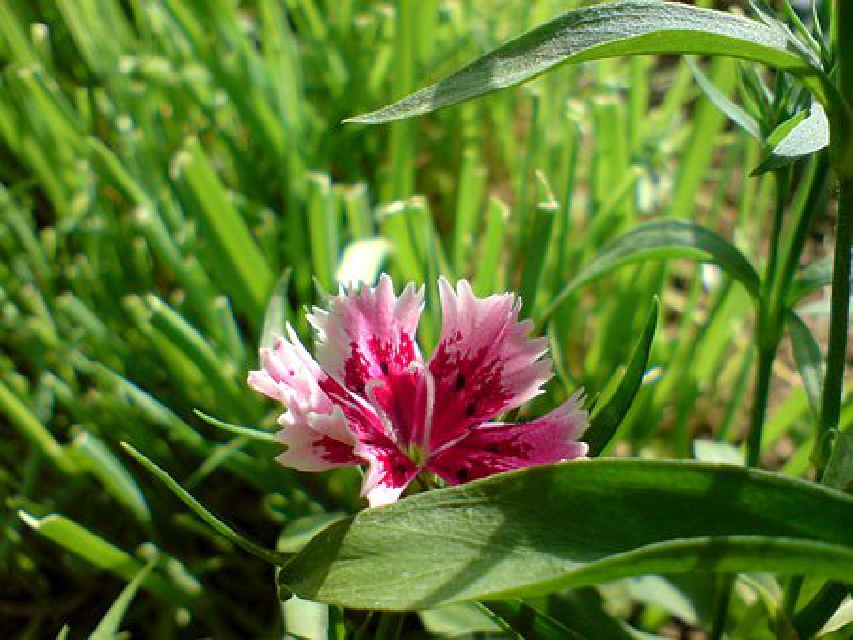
x=164, y=165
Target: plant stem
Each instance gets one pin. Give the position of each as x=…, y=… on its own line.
x=389, y=626
x=768, y=328
x=838, y=321
x=763, y=374
x=817, y=180
x=721, y=607
x=819, y=609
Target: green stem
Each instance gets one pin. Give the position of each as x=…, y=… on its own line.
x=721, y=608
x=768, y=329
x=763, y=374
x=816, y=183
x=841, y=120
x=838, y=321
x=782, y=177
x=390, y=625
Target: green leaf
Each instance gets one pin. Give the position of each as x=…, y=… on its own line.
x=239, y=430
x=839, y=469
x=278, y=310
x=235, y=257
x=607, y=417
x=802, y=135
x=528, y=622
x=109, y=625
x=549, y=528
x=815, y=276
x=719, y=99
x=809, y=359
x=661, y=239
x=602, y=31
x=31, y=428
x=103, y=554
x=104, y=465
x=458, y=619
x=215, y=523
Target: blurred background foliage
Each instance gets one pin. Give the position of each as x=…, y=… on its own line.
x=175, y=182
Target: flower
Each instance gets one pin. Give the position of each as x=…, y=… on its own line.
x=373, y=400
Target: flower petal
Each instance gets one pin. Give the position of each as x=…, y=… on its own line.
x=311, y=450
x=496, y=447
x=388, y=474
x=317, y=431
x=290, y=375
x=367, y=342
x=484, y=364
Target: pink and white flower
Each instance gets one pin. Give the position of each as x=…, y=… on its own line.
x=373, y=400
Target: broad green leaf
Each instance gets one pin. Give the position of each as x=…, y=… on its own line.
x=548, y=528
x=809, y=359
x=109, y=625
x=603, y=31
x=608, y=415
x=661, y=239
x=215, y=523
x=804, y=134
x=458, y=619
x=298, y=533
x=305, y=619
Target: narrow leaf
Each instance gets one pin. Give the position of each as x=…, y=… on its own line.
x=660, y=239
x=118, y=482
x=839, y=469
x=109, y=625
x=235, y=257
x=812, y=278
x=719, y=99
x=608, y=415
x=629, y=27
x=239, y=430
x=278, y=311
x=215, y=523
x=809, y=359
x=101, y=554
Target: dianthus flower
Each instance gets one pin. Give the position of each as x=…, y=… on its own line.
x=373, y=400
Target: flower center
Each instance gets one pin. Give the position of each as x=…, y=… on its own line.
x=416, y=454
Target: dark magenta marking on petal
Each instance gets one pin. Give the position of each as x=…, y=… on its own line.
x=335, y=451
x=460, y=382
x=468, y=389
